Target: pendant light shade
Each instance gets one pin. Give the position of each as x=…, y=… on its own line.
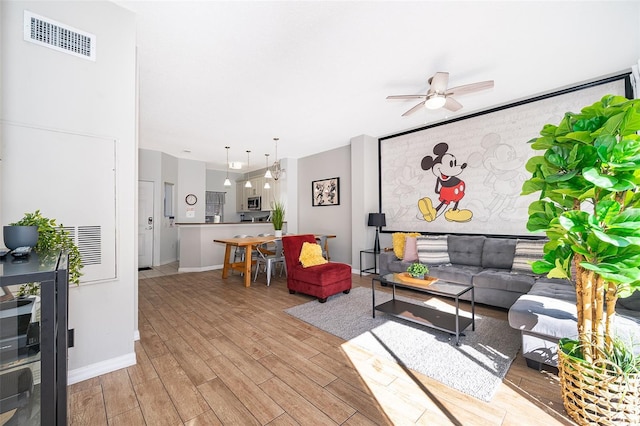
x=248, y=182
x=227, y=182
x=267, y=175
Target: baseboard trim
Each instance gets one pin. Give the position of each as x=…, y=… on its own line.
x=136, y=335
x=200, y=268
x=102, y=367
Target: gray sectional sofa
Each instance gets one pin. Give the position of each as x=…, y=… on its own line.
x=485, y=262
x=548, y=312
x=543, y=309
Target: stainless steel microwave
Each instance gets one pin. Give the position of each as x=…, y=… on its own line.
x=254, y=203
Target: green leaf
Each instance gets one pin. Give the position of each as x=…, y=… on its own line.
x=542, y=143
x=541, y=267
x=533, y=185
x=581, y=136
x=561, y=176
x=611, y=239
x=601, y=181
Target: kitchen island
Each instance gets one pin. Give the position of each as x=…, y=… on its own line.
x=196, y=250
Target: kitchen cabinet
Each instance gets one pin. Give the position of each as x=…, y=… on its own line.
x=33, y=353
x=241, y=200
x=256, y=190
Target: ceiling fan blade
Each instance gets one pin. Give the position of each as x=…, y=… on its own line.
x=414, y=109
x=439, y=82
x=406, y=96
x=452, y=105
x=469, y=88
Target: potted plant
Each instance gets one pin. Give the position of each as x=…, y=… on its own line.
x=589, y=207
x=277, y=217
x=51, y=239
x=417, y=270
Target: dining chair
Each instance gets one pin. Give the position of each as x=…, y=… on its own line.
x=269, y=259
x=239, y=251
x=322, y=241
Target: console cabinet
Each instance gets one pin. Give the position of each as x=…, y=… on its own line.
x=33, y=353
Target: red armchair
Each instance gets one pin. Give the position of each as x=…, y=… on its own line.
x=320, y=281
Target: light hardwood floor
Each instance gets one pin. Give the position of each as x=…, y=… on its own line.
x=214, y=352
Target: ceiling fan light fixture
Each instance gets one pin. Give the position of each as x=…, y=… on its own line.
x=436, y=101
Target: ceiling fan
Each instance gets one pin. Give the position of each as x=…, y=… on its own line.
x=439, y=96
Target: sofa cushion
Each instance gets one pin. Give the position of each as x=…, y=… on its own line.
x=498, y=253
x=526, y=252
x=325, y=274
x=398, y=239
x=631, y=303
x=465, y=250
x=410, y=250
x=548, y=309
x=503, y=280
x=462, y=274
x=433, y=250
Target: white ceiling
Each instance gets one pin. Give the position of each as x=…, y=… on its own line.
x=316, y=74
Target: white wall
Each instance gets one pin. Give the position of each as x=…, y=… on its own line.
x=364, y=196
x=327, y=219
x=192, y=179
x=50, y=90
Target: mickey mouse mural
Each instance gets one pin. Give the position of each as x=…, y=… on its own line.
x=449, y=186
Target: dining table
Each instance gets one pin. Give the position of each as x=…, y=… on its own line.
x=249, y=244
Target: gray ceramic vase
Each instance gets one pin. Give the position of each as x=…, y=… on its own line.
x=20, y=236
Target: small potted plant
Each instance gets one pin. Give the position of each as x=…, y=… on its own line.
x=51, y=238
x=277, y=217
x=417, y=270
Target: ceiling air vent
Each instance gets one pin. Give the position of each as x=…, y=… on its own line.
x=49, y=33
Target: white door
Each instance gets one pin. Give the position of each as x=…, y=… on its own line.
x=145, y=224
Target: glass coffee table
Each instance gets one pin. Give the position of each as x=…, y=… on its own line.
x=422, y=314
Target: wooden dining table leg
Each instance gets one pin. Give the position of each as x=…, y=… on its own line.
x=247, y=265
x=226, y=265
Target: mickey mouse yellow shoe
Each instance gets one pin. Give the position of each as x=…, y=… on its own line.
x=455, y=215
x=426, y=208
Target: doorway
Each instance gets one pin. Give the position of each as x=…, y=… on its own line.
x=145, y=224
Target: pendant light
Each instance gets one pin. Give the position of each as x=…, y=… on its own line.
x=266, y=182
x=248, y=183
x=227, y=182
x=267, y=174
x=276, y=171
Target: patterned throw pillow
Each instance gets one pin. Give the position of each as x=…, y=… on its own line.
x=527, y=251
x=311, y=255
x=433, y=250
x=398, y=240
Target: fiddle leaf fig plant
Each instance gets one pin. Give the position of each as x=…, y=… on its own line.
x=587, y=177
x=51, y=239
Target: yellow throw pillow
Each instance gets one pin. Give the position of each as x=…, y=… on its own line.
x=398, y=239
x=311, y=255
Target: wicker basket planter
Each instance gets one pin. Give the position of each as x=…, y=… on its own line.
x=594, y=396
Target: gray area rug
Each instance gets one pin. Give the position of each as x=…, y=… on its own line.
x=476, y=368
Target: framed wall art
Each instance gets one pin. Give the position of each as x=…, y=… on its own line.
x=465, y=175
x=325, y=192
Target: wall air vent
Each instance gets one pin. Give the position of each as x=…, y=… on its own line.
x=89, y=242
x=63, y=38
